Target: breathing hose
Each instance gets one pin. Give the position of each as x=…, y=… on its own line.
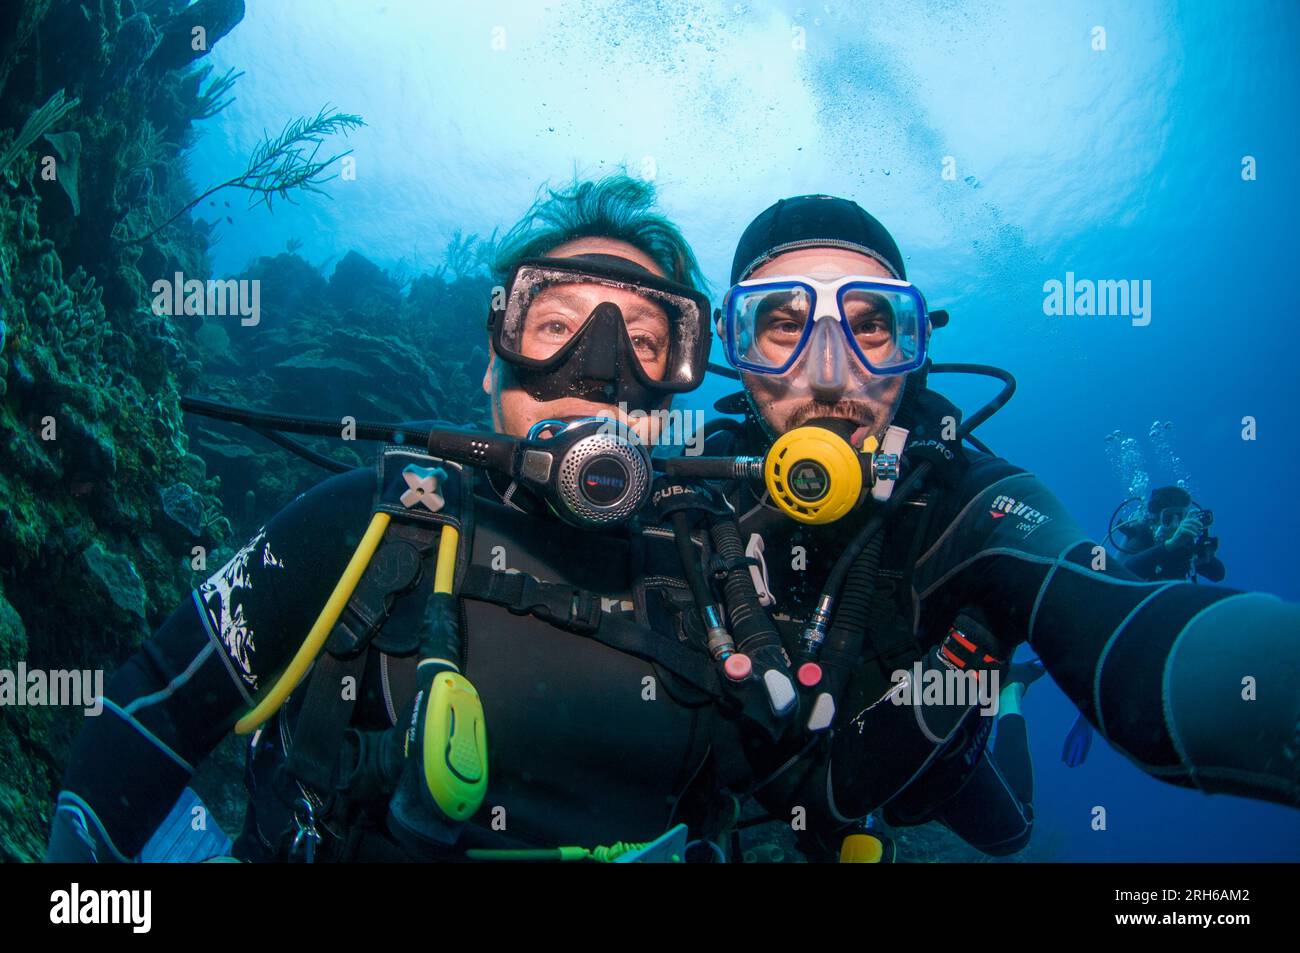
x=753, y=630
x=848, y=631
x=719, y=640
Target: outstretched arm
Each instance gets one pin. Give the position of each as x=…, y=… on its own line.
x=1198, y=685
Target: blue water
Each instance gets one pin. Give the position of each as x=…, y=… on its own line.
x=1122, y=163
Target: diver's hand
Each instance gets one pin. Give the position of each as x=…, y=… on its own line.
x=1189, y=531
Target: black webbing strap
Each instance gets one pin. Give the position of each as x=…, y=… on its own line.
x=325, y=715
x=565, y=607
x=394, y=570
x=578, y=611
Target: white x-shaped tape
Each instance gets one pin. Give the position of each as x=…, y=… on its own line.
x=423, y=485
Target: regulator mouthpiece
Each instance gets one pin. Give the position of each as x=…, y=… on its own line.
x=813, y=475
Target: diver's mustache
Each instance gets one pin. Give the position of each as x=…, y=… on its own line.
x=855, y=410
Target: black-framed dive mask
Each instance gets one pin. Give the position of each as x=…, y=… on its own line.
x=601, y=328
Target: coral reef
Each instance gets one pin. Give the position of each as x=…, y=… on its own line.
x=90, y=427
x=103, y=492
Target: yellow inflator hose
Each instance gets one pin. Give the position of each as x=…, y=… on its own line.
x=445, y=569
x=307, y=652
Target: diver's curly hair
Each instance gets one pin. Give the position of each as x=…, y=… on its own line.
x=616, y=206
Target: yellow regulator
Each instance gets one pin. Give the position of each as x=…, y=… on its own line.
x=813, y=474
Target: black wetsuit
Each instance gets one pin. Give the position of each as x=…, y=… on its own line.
x=581, y=755
x=982, y=791
x=1172, y=674
x=580, y=751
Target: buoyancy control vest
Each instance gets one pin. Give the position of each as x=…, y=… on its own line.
x=794, y=562
x=588, y=742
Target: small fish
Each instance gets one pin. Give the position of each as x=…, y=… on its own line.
x=230, y=220
x=80, y=490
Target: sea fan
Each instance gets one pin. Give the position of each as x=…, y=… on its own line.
x=55, y=108
x=280, y=165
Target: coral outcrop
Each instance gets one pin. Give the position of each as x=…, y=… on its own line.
x=105, y=496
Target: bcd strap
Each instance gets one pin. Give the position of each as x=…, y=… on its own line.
x=577, y=611
x=421, y=494
x=324, y=717
x=565, y=607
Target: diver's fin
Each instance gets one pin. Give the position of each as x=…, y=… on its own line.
x=1077, y=743
x=178, y=841
x=1026, y=673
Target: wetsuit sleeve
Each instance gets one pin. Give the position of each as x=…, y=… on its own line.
x=170, y=704
x=1197, y=684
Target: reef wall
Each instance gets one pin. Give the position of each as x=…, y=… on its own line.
x=105, y=497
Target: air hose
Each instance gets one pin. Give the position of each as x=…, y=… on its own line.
x=852, y=618
x=757, y=674
x=308, y=454
x=1111, y=527
x=319, y=633
x=756, y=637
x=312, y=426
x=753, y=630
x=814, y=633
x=720, y=642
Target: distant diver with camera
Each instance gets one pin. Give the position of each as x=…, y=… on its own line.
x=1171, y=540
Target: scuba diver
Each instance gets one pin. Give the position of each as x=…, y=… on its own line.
x=1170, y=541
x=881, y=572
x=539, y=601
x=500, y=669
x=1173, y=540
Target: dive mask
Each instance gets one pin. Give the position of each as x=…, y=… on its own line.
x=600, y=328
x=769, y=322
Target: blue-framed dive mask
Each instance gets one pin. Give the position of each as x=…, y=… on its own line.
x=769, y=322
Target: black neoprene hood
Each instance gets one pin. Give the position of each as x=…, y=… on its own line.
x=807, y=221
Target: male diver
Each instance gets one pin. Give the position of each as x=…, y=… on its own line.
x=1197, y=685
x=571, y=716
